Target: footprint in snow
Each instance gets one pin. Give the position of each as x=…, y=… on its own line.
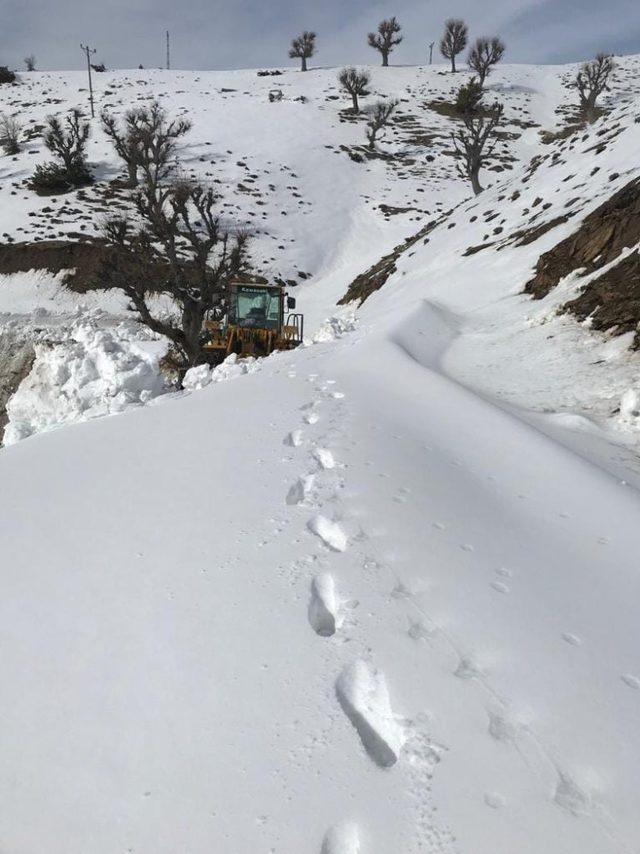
x=341, y=839
x=500, y=587
x=468, y=668
x=329, y=532
x=294, y=439
x=494, y=800
x=571, y=639
x=363, y=694
x=300, y=490
x=312, y=418
x=324, y=457
x=570, y=796
x=323, y=606
x=631, y=680
x=503, y=727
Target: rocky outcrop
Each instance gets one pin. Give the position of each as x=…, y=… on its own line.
x=16, y=359
x=612, y=301
x=603, y=235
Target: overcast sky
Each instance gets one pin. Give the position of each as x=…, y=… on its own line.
x=251, y=33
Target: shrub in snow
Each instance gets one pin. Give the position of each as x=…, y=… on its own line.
x=93, y=372
x=6, y=76
x=67, y=142
x=9, y=134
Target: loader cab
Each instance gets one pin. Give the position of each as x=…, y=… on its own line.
x=256, y=307
x=260, y=318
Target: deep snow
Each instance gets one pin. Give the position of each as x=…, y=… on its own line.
x=376, y=595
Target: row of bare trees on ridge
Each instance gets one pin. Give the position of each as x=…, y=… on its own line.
x=485, y=52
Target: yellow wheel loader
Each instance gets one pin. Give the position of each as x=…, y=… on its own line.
x=261, y=318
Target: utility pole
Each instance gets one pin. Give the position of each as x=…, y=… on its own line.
x=431, y=44
x=168, y=53
x=89, y=53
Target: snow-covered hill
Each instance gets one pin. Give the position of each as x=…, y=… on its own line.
x=374, y=595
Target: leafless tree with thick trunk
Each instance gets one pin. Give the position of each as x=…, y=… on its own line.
x=355, y=83
x=181, y=252
x=484, y=54
x=303, y=48
x=379, y=120
x=475, y=142
x=386, y=39
x=454, y=40
x=591, y=81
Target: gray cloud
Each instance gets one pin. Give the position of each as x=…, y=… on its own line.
x=249, y=33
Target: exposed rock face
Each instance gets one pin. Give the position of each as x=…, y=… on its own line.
x=612, y=227
x=613, y=300
x=375, y=277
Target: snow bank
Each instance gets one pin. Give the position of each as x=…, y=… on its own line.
x=232, y=367
x=629, y=416
x=335, y=327
x=93, y=371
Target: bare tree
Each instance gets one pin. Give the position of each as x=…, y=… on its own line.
x=454, y=40
x=181, y=252
x=156, y=139
x=591, y=81
x=9, y=134
x=380, y=118
x=30, y=62
x=475, y=142
x=126, y=141
x=484, y=54
x=386, y=38
x=355, y=83
x=303, y=48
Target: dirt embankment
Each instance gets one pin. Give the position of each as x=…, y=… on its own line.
x=612, y=300
x=82, y=258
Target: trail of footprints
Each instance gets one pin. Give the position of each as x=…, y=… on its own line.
x=361, y=688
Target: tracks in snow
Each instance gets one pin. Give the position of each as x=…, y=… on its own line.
x=360, y=687
x=395, y=744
